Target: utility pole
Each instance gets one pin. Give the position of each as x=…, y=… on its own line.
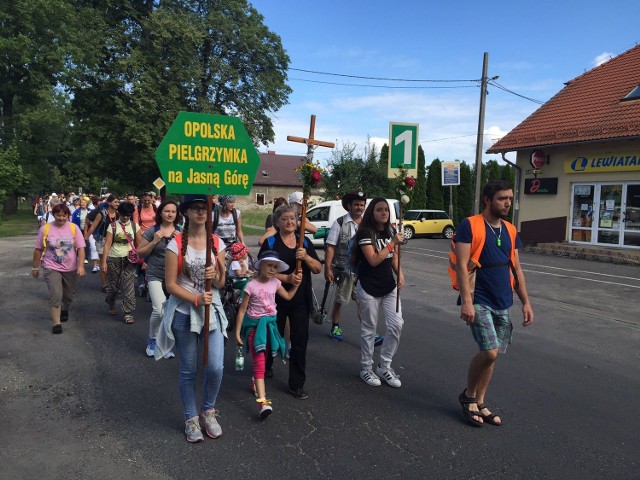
x=483, y=96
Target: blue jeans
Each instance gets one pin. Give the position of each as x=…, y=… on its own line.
x=187, y=347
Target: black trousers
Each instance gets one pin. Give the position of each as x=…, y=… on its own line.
x=299, y=327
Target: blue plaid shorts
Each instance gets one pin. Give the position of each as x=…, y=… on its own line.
x=492, y=329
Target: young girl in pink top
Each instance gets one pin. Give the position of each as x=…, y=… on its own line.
x=256, y=321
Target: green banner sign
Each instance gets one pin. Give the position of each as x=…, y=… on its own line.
x=403, y=148
x=207, y=154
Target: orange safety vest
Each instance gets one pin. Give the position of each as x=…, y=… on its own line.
x=478, y=236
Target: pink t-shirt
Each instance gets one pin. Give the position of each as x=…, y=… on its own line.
x=262, y=300
x=60, y=253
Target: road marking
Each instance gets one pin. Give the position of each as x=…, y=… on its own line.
x=547, y=273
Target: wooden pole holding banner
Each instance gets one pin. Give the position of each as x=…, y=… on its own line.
x=311, y=143
x=207, y=282
x=400, y=229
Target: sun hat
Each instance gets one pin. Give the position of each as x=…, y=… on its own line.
x=188, y=200
x=238, y=250
x=347, y=198
x=271, y=256
x=296, y=197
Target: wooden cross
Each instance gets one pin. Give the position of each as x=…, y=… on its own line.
x=311, y=143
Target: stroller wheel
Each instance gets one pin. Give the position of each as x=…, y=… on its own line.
x=316, y=317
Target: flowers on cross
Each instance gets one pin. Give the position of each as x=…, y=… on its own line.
x=409, y=182
x=311, y=175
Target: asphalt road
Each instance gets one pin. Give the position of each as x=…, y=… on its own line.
x=90, y=404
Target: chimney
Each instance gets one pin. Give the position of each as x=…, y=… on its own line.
x=271, y=152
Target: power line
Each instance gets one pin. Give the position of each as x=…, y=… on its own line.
x=386, y=79
x=378, y=86
x=501, y=87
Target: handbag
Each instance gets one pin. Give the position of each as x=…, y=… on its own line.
x=132, y=256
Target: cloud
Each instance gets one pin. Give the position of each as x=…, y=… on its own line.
x=602, y=58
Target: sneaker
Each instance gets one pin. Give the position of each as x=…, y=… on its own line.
x=64, y=315
x=336, y=333
x=264, y=409
x=95, y=269
x=378, y=340
x=370, y=378
x=57, y=328
x=211, y=425
x=288, y=355
x=151, y=347
x=299, y=393
x=170, y=355
x=142, y=290
x=86, y=261
x=192, y=429
x=389, y=376
x=253, y=387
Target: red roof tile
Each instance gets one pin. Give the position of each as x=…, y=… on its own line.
x=588, y=108
x=280, y=170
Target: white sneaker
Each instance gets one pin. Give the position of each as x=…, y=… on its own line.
x=192, y=429
x=211, y=425
x=370, y=378
x=389, y=376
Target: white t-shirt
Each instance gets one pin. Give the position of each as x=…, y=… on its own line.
x=195, y=261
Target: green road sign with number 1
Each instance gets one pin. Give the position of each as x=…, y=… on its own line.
x=403, y=148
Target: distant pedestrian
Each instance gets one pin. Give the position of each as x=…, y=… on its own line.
x=269, y=227
x=122, y=237
x=60, y=249
x=490, y=241
x=152, y=247
x=227, y=223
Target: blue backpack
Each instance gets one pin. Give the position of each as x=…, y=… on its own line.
x=271, y=241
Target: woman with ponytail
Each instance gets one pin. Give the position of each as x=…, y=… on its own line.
x=183, y=317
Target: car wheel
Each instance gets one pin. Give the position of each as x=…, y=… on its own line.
x=447, y=232
x=408, y=233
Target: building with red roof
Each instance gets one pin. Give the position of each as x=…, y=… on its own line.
x=578, y=159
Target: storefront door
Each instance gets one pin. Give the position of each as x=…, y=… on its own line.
x=631, y=216
x=606, y=214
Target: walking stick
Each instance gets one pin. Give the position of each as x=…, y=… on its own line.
x=399, y=245
x=303, y=219
x=207, y=282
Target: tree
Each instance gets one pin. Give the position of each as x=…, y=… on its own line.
x=434, y=194
x=12, y=176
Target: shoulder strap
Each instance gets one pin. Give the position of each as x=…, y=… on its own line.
x=216, y=218
x=47, y=227
x=45, y=233
x=340, y=220
x=271, y=241
x=178, y=239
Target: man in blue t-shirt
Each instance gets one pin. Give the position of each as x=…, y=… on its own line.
x=485, y=306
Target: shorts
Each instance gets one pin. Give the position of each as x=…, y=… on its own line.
x=346, y=288
x=492, y=329
x=100, y=245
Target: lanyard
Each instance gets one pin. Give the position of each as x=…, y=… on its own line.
x=498, y=235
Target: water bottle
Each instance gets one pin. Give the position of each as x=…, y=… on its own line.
x=240, y=358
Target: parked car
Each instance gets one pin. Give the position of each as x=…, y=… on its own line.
x=325, y=213
x=427, y=222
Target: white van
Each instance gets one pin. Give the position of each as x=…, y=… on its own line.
x=325, y=213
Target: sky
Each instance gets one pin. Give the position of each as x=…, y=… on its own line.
x=533, y=48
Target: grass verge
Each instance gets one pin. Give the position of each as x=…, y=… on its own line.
x=24, y=222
